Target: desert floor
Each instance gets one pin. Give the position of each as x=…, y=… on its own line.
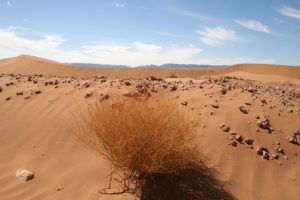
x=37, y=127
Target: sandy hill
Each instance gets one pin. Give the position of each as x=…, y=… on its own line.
x=25, y=64
x=37, y=127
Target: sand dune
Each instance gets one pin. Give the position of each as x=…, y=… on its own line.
x=25, y=64
x=36, y=128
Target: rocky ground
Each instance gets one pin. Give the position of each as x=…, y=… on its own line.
x=250, y=128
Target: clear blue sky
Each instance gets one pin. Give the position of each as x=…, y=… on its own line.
x=139, y=32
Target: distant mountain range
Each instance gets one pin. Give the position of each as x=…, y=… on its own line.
x=170, y=65
x=97, y=65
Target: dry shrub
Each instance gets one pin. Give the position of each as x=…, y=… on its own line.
x=173, y=76
x=142, y=138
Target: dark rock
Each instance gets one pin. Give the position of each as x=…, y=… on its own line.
x=223, y=91
x=264, y=124
x=59, y=189
x=296, y=133
x=293, y=140
x=275, y=156
x=233, y=133
x=278, y=149
x=265, y=155
x=215, y=105
x=238, y=138
x=142, y=84
x=88, y=95
x=153, y=89
x=233, y=143
x=226, y=128
x=142, y=87
x=252, y=90
x=249, y=141
x=243, y=110
x=184, y=103
x=8, y=84
x=104, y=97
x=127, y=83
x=173, y=88
x=263, y=151
x=86, y=85
x=222, y=125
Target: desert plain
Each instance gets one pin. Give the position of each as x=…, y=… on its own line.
x=247, y=115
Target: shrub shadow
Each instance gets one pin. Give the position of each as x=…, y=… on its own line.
x=192, y=184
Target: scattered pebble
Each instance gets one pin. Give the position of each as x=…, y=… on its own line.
x=243, y=110
x=239, y=138
x=224, y=127
x=104, y=97
x=264, y=124
x=24, y=175
x=215, y=105
x=173, y=88
x=88, y=95
x=184, y=103
x=223, y=91
x=59, y=189
x=249, y=141
x=263, y=151
x=233, y=143
x=293, y=140
x=127, y=83
x=275, y=156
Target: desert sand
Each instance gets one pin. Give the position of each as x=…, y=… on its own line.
x=237, y=109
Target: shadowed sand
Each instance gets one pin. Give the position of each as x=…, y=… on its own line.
x=36, y=134
x=197, y=184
